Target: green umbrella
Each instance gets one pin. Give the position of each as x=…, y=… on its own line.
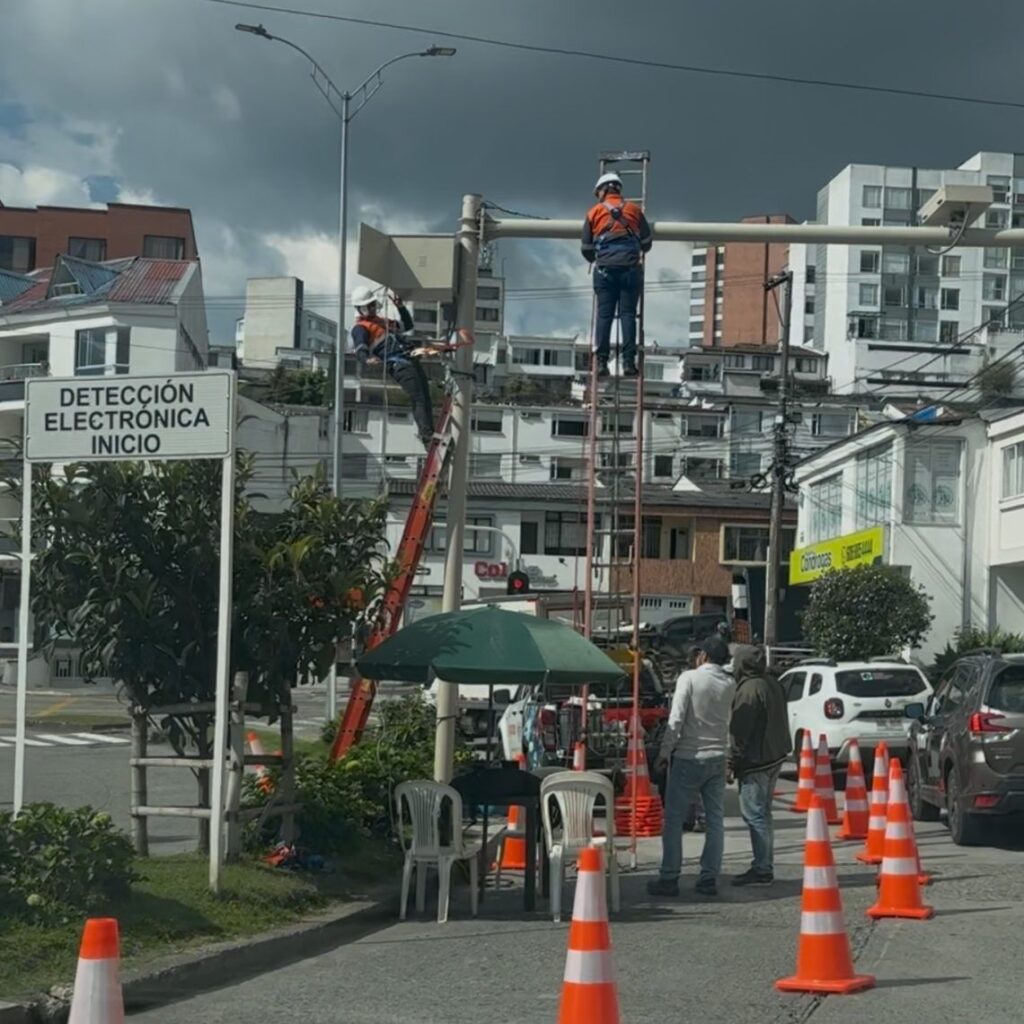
x=489, y=646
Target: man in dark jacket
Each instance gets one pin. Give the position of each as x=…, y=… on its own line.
x=759, y=732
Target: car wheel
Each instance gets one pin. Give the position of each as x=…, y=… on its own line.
x=964, y=828
x=919, y=807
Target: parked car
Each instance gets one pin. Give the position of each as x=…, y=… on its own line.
x=847, y=700
x=967, y=745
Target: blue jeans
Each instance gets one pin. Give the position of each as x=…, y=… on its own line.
x=688, y=778
x=617, y=288
x=756, y=792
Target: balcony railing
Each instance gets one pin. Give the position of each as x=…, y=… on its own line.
x=13, y=377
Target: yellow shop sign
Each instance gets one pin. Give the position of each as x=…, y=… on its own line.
x=809, y=563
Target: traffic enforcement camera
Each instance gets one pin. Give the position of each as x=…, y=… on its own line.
x=518, y=582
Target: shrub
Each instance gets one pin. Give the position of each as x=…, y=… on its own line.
x=864, y=612
x=57, y=864
x=974, y=638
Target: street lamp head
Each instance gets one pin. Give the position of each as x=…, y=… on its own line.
x=439, y=51
x=256, y=30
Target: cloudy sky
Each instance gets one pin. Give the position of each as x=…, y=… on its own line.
x=161, y=100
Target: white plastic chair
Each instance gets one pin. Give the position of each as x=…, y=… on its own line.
x=576, y=794
x=425, y=802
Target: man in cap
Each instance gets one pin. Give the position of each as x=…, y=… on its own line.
x=759, y=730
x=615, y=238
x=694, y=749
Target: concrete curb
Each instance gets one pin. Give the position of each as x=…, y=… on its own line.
x=180, y=976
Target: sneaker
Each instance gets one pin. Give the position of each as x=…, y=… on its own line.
x=662, y=887
x=602, y=368
x=629, y=369
x=754, y=877
x=706, y=887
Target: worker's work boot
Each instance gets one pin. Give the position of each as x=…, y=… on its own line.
x=629, y=368
x=602, y=367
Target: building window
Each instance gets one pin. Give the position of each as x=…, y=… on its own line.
x=528, y=537
x=566, y=426
x=950, y=298
x=696, y=326
x=750, y=543
x=488, y=292
x=897, y=198
x=701, y=469
x=949, y=331
x=926, y=298
x=355, y=466
x=485, y=314
x=474, y=541
x=874, y=487
x=566, y=469
x=826, y=509
x=654, y=371
x=865, y=327
x=868, y=292
x=17, y=254
x=702, y=426
x=699, y=259
x=871, y=222
x=993, y=287
x=830, y=424
x=808, y=307
x=744, y=464
x=996, y=219
x=871, y=197
x=809, y=275
x=621, y=423
x=93, y=249
x=895, y=262
x=894, y=295
x=932, y=492
x=424, y=315
x=996, y=259
x=869, y=261
x=357, y=421
x=102, y=350
x=1013, y=470
x=163, y=247
x=763, y=363
x=735, y=361
x=487, y=423
x=894, y=330
x=746, y=421
x=994, y=316
x=663, y=465
x=650, y=537
x=951, y=266
x=565, y=533
x=1000, y=185
x=485, y=465
x=805, y=364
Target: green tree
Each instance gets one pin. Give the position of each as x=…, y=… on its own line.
x=288, y=386
x=975, y=638
x=126, y=569
x=866, y=612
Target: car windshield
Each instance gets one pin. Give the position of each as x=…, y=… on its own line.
x=1007, y=691
x=880, y=682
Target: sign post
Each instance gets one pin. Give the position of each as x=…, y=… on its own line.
x=151, y=418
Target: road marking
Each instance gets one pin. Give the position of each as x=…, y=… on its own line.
x=54, y=708
x=68, y=741
x=28, y=742
x=99, y=737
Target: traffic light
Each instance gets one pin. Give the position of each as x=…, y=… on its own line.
x=518, y=583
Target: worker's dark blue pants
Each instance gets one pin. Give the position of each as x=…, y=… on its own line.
x=617, y=288
x=409, y=376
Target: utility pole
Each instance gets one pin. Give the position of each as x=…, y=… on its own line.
x=778, y=471
x=465, y=319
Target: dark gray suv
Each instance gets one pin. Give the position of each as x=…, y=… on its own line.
x=966, y=751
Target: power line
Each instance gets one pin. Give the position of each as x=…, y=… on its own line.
x=696, y=69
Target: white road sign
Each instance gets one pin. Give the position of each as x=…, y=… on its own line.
x=172, y=416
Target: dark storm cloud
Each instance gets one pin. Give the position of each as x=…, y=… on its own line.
x=231, y=126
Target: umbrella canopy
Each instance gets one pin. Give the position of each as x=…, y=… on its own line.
x=489, y=646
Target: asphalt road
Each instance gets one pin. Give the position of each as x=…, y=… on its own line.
x=689, y=959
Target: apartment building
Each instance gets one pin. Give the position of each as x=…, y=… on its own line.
x=905, y=320
x=33, y=237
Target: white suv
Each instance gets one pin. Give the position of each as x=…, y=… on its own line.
x=862, y=700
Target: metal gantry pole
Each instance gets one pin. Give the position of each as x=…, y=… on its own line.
x=469, y=250
x=778, y=477
x=339, y=353
x=23, y=628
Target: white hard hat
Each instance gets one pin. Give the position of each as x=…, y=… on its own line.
x=607, y=179
x=363, y=296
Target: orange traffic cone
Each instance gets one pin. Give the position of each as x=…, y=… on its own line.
x=875, y=842
x=805, y=778
x=855, y=810
x=589, y=992
x=899, y=892
x=97, y=997
x=823, y=961
x=579, y=757
x=823, y=781
x=513, y=852
x=256, y=746
x=649, y=812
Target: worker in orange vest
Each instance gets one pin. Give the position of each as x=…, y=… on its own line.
x=615, y=237
x=379, y=340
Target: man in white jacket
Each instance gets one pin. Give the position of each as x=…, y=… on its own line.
x=695, y=751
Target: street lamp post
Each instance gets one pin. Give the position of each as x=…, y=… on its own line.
x=345, y=105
